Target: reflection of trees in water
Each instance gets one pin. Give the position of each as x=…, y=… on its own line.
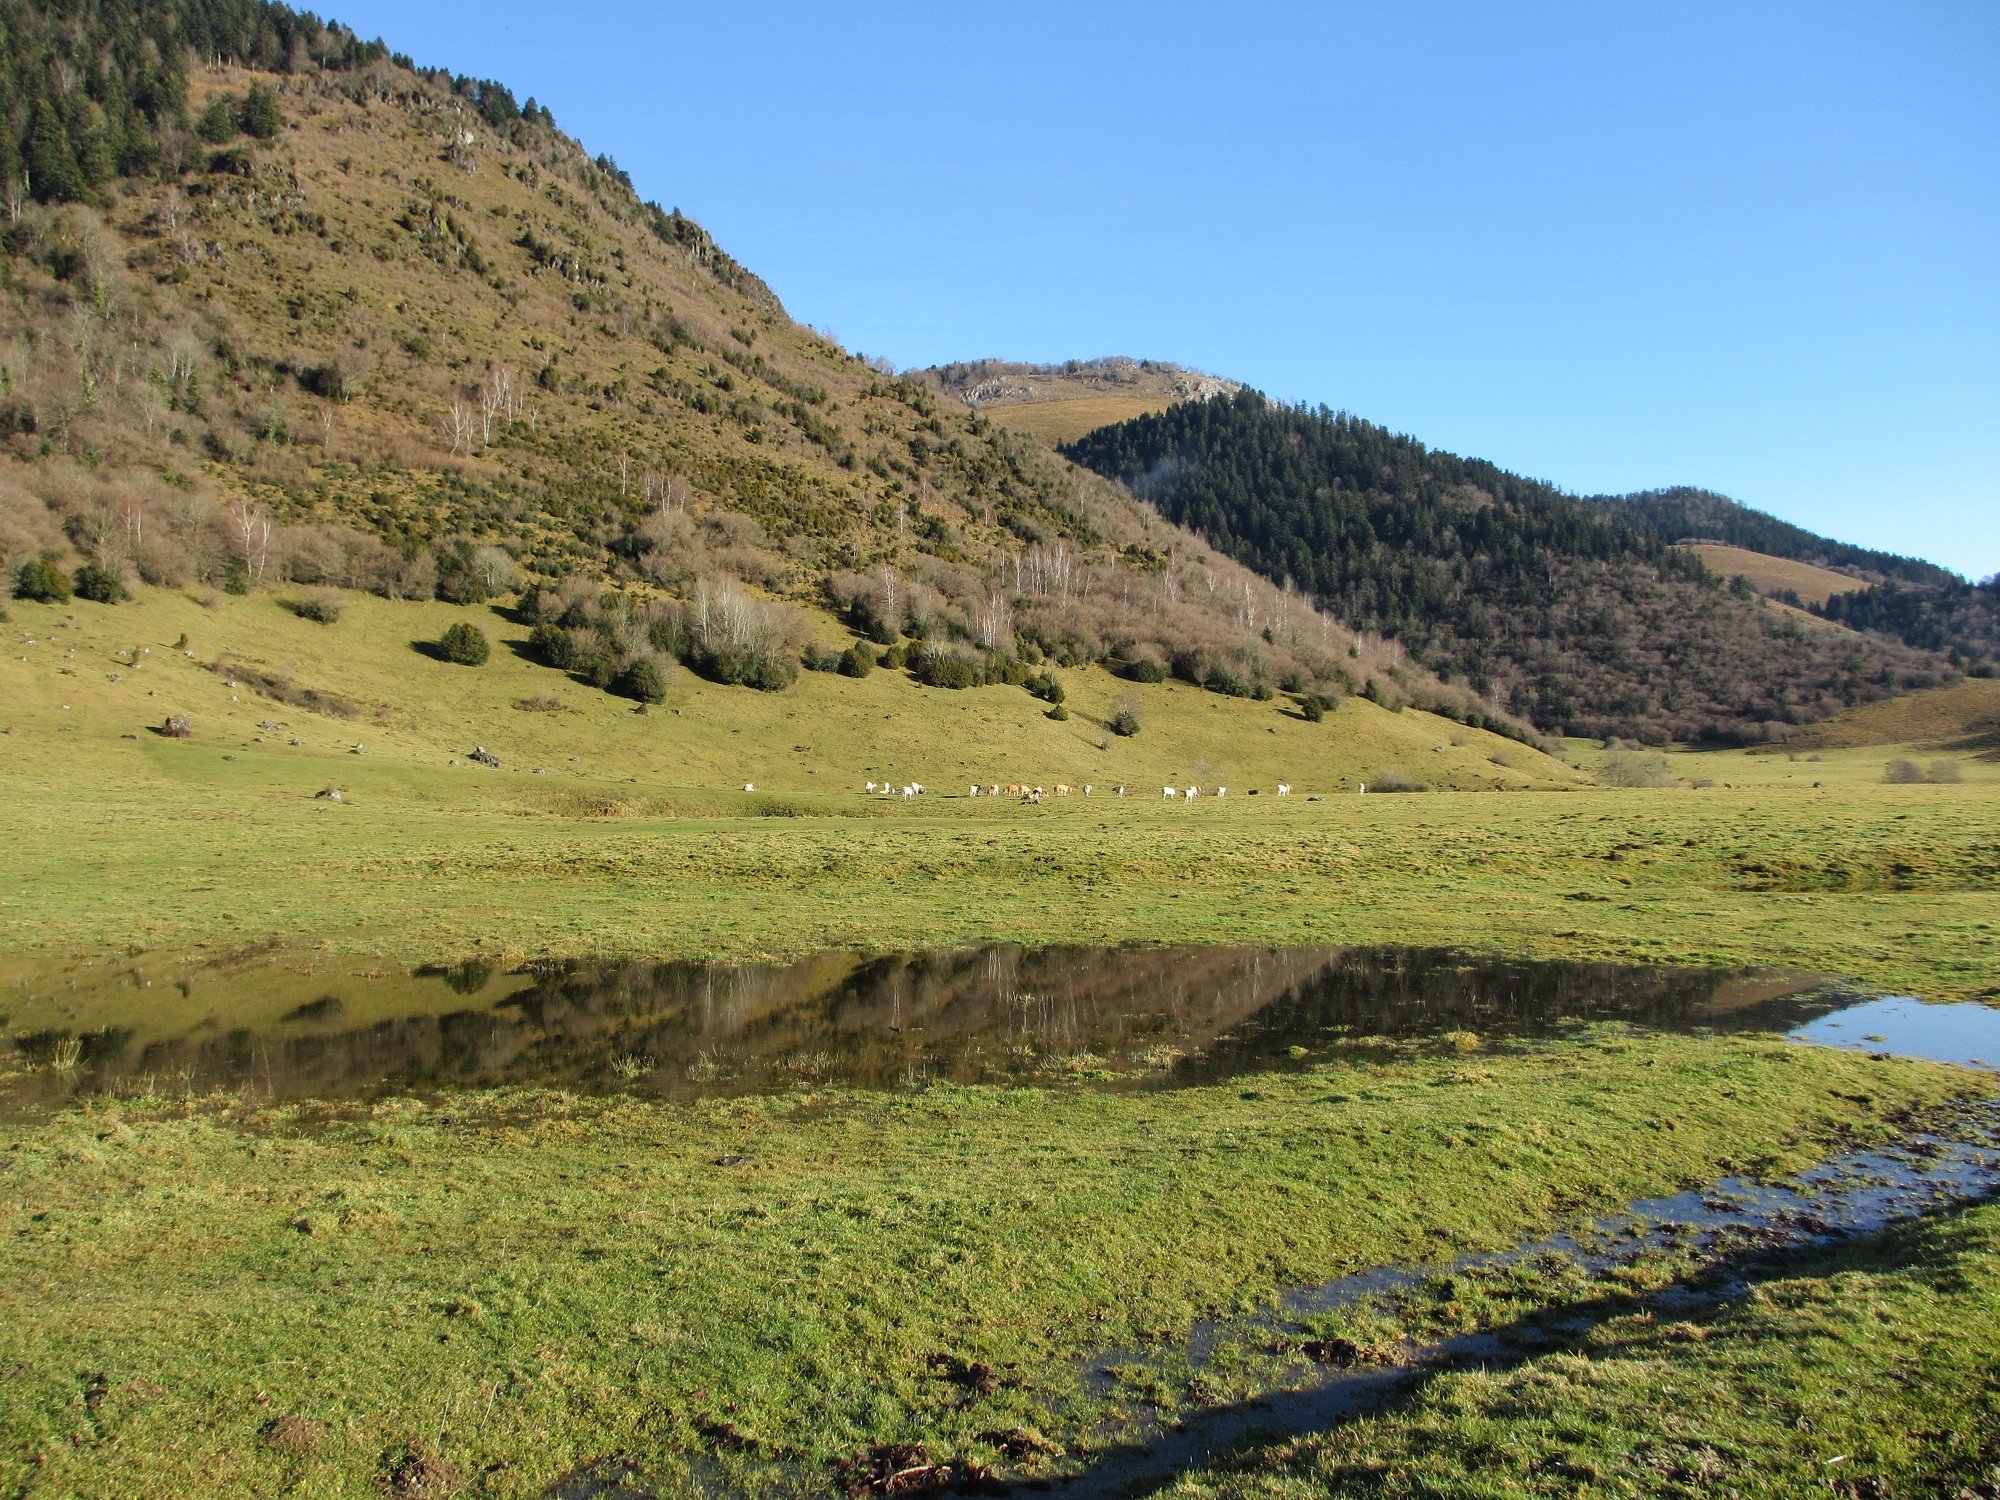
x=977, y=1015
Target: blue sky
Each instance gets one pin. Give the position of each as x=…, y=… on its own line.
x=1746, y=246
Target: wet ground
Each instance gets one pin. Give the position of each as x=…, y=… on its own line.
x=294, y=1025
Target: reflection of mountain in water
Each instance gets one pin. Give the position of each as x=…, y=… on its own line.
x=989, y=1015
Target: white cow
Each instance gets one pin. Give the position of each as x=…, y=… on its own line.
x=975, y=790
x=1193, y=792
x=1169, y=793
x=871, y=786
x=1118, y=790
x=909, y=792
x=749, y=786
x=1364, y=789
x=993, y=790
x=1222, y=791
x=1284, y=789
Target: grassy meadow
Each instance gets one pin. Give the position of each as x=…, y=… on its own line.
x=481, y=1294
x=636, y=836
x=511, y=1286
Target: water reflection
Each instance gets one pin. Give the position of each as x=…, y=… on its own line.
x=286, y=1028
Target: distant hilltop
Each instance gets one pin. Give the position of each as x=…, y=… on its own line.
x=1000, y=382
x=1058, y=403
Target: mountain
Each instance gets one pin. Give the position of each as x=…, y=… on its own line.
x=1059, y=403
x=1575, y=613
x=286, y=309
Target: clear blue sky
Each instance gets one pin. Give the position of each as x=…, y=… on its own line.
x=1749, y=246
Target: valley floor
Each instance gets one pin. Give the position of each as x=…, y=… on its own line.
x=490, y=1291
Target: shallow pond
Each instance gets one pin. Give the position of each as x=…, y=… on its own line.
x=295, y=1025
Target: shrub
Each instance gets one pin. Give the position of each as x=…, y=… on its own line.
x=1046, y=688
x=641, y=678
x=464, y=643
x=1145, y=669
x=321, y=605
x=1393, y=780
x=1909, y=773
x=1125, y=715
x=99, y=585
x=857, y=660
x=1630, y=769
x=894, y=657
x=1059, y=713
x=945, y=670
x=236, y=577
x=42, y=581
x=1313, y=707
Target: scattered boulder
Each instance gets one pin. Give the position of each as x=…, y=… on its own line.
x=177, y=727
x=484, y=757
x=329, y=794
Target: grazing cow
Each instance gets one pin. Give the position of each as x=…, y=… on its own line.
x=1013, y=789
x=1284, y=789
x=1169, y=793
x=749, y=786
x=917, y=787
x=1061, y=789
x=1364, y=789
x=1222, y=791
x=1193, y=792
x=1118, y=790
x=993, y=790
x=975, y=790
x=909, y=792
x=1086, y=789
x=871, y=786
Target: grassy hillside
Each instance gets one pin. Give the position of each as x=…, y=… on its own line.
x=1572, y=616
x=1065, y=419
x=1806, y=583
x=406, y=336
x=1965, y=717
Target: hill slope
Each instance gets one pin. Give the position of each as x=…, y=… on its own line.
x=1800, y=583
x=303, y=313
x=1573, y=615
x=1691, y=515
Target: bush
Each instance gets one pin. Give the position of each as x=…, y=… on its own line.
x=99, y=585
x=945, y=670
x=1313, y=707
x=1059, y=713
x=857, y=660
x=819, y=659
x=1046, y=688
x=641, y=678
x=894, y=658
x=1145, y=669
x=321, y=605
x=1630, y=769
x=1909, y=773
x=42, y=581
x=1125, y=715
x=1393, y=780
x=464, y=643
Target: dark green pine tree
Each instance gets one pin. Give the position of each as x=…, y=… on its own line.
x=260, y=115
x=54, y=175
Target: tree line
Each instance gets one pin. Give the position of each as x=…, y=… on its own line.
x=1580, y=617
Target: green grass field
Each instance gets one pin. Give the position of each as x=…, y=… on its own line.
x=639, y=839
x=210, y=1297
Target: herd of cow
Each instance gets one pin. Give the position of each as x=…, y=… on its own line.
x=909, y=790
